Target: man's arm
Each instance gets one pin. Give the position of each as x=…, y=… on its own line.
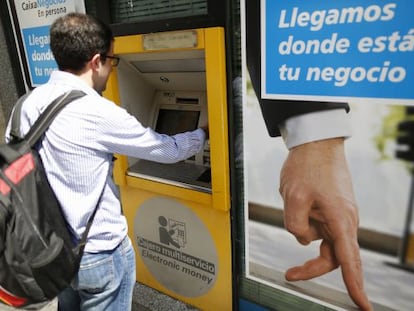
x=274, y=111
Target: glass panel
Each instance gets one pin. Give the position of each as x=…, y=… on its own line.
x=145, y=10
x=90, y=6
x=383, y=187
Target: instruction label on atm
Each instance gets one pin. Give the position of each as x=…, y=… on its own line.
x=170, y=40
x=176, y=247
x=338, y=48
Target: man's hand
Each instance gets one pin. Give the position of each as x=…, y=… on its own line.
x=316, y=187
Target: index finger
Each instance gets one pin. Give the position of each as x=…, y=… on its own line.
x=348, y=256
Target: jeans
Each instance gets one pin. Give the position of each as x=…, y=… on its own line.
x=105, y=281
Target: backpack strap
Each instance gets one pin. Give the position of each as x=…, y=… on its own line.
x=16, y=116
x=10, y=152
x=81, y=245
x=45, y=119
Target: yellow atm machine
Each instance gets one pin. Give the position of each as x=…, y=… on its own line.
x=178, y=214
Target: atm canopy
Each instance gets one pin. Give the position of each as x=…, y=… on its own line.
x=182, y=70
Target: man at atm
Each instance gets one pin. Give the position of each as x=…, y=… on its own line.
x=77, y=152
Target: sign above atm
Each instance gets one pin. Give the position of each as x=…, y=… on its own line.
x=338, y=49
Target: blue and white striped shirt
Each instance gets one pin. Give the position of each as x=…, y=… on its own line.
x=77, y=153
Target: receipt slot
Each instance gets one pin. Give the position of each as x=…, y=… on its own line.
x=178, y=214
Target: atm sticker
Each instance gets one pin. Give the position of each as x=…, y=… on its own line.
x=176, y=247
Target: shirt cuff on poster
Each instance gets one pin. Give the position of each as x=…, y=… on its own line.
x=315, y=126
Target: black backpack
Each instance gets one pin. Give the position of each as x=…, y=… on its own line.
x=38, y=258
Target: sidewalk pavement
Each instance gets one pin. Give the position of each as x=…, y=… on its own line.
x=145, y=299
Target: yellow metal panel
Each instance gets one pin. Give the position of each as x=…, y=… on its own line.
x=170, y=190
x=120, y=168
x=128, y=44
x=112, y=93
x=217, y=116
x=219, y=298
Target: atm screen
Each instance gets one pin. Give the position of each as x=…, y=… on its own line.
x=172, y=121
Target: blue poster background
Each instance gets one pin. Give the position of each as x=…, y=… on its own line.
x=39, y=56
x=394, y=65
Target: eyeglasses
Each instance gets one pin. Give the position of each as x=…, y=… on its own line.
x=114, y=60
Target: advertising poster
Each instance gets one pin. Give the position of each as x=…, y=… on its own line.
x=337, y=49
x=361, y=53
x=34, y=19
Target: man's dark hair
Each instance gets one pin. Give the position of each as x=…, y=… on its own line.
x=75, y=38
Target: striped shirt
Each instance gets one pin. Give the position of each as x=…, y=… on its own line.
x=77, y=153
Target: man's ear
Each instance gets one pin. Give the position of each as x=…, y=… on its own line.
x=96, y=62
